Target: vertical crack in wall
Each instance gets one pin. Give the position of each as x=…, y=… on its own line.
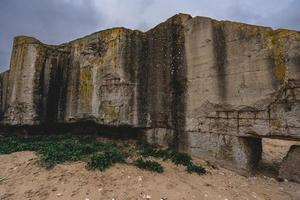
x=178, y=80
x=220, y=51
x=142, y=83
x=55, y=88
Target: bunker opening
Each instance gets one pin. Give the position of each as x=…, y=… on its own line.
x=273, y=153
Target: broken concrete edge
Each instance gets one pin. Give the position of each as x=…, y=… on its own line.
x=290, y=166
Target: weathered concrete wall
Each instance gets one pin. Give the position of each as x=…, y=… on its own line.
x=243, y=76
x=22, y=87
x=3, y=91
x=198, y=84
x=243, y=81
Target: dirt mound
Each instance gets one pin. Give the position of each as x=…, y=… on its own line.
x=22, y=178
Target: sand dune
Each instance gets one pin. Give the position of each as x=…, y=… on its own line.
x=22, y=178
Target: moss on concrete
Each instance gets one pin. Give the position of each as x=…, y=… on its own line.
x=275, y=41
x=86, y=87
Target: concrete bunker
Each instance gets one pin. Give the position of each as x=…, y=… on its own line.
x=241, y=154
x=210, y=88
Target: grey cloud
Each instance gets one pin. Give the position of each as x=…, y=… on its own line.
x=288, y=17
x=274, y=13
x=57, y=21
x=53, y=21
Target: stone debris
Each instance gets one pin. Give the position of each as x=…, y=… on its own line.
x=290, y=166
x=140, y=178
x=59, y=194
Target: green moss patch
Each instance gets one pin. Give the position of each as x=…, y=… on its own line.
x=98, y=154
x=149, y=165
x=55, y=149
x=106, y=159
x=176, y=157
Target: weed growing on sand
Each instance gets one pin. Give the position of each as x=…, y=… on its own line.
x=195, y=168
x=176, y=157
x=147, y=150
x=106, y=159
x=181, y=158
x=99, y=155
x=149, y=165
x=55, y=149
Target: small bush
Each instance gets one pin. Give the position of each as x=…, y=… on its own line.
x=106, y=159
x=181, y=158
x=149, y=165
x=147, y=150
x=175, y=156
x=56, y=148
x=100, y=155
x=195, y=168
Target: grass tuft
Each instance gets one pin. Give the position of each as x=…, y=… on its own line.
x=99, y=155
x=149, y=165
x=181, y=158
x=106, y=159
x=55, y=149
x=176, y=157
x=195, y=168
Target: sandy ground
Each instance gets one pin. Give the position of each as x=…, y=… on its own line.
x=22, y=178
x=275, y=150
x=273, y=153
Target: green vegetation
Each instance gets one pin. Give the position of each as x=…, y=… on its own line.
x=149, y=165
x=99, y=154
x=181, y=158
x=176, y=157
x=55, y=149
x=195, y=168
x=106, y=159
x=147, y=150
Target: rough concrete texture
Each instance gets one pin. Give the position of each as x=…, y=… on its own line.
x=290, y=167
x=186, y=82
x=241, y=154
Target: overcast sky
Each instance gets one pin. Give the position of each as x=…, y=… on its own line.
x=58, y=21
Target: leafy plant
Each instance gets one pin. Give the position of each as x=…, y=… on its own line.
x=149, y=165
x=195, y=168
x=181, y=158
x=176, y=157
x=106, y=159
x=100, y=155
x=147, y=150
x=55, y=149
